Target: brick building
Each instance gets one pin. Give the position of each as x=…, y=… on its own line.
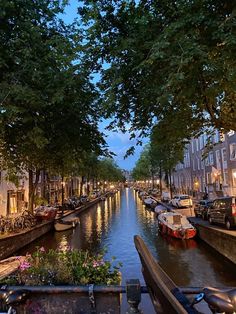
x=209, y=165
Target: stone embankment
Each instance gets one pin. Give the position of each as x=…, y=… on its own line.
x=222, y=240
x=11, y=243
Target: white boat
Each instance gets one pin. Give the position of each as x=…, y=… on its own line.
x=150, y=202
x=66, y=224
x=160, y=209
x=176, y=225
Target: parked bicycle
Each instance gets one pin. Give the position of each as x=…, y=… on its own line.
x=15, y=223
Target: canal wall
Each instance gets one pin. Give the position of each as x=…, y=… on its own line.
x=222, y=241
x=13, y=242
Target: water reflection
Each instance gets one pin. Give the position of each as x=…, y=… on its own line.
x=113, y=224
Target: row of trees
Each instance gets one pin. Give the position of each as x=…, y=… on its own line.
x=158, y=61
x=160, y=156
x=49, y=109
x=164, y=57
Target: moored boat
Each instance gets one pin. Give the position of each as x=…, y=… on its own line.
x=176, y=225
x=10, y=265
x=150, y=202
x=65, y=224
x=160, y=209
x=45, y=212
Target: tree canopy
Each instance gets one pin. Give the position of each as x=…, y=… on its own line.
x=162, y=57
x=49, y=109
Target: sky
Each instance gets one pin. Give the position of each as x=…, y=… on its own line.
x=118, y=142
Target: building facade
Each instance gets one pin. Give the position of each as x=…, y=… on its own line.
x=209, y=165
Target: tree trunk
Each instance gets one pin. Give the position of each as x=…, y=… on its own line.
x=32, y=187
x=160, y=176
x=170, y=184
x=72, y=187
x=81, y=186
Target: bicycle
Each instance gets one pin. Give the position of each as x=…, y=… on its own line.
x=219, y=300
x=12, y=298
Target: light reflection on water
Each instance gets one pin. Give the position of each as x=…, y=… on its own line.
x=113, y=223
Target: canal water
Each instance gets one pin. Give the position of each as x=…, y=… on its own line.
x=112, y=225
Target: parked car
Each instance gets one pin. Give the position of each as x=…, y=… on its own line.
x=223, y=211
x=165, y=196
x=201, y=209
x=182, y=200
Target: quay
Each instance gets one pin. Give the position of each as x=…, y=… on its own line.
x=11, y=243
x=222, y=240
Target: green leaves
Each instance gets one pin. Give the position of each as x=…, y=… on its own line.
x=48, y=104
x=154, y=51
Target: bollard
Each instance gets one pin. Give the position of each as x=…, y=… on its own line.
x=133, y=294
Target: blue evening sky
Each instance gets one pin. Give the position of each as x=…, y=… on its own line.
x=118, y=142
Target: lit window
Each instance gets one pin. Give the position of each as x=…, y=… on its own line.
x=234, y=177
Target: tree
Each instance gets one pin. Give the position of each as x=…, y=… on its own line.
x=167, y=148
x=109, y=171
x=162, y=56
x=49, y=109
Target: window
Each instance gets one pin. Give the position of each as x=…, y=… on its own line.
x=217, y=137
x=211, y=158
x=232, y=149
x=198, y=163
x=222, y=137
x=194, y=165
x=201, y=142
x=207, y=161
x=226, y=179
x=196, y=144
x=234, y=177
x=208, y=178
x=218, y=165
x=224, y=157
x=192, y=146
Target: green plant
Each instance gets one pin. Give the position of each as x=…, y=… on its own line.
x=65, y=267
x=38, y=200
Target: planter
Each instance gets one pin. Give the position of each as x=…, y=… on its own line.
x=68, y=299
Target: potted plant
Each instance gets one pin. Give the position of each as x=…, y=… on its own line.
x=58, y=282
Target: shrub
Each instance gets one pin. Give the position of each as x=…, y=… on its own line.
x=68, y=266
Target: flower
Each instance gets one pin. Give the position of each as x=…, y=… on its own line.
x=74, y=267
x=24, y=265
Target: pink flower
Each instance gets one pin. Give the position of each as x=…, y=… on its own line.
x=42, y=249
x=24, y=265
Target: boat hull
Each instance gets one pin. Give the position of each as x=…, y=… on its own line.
x=65, y=225
x=177, y=233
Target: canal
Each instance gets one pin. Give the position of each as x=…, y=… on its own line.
x=112, y=225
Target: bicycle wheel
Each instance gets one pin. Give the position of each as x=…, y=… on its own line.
x=27, y=223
